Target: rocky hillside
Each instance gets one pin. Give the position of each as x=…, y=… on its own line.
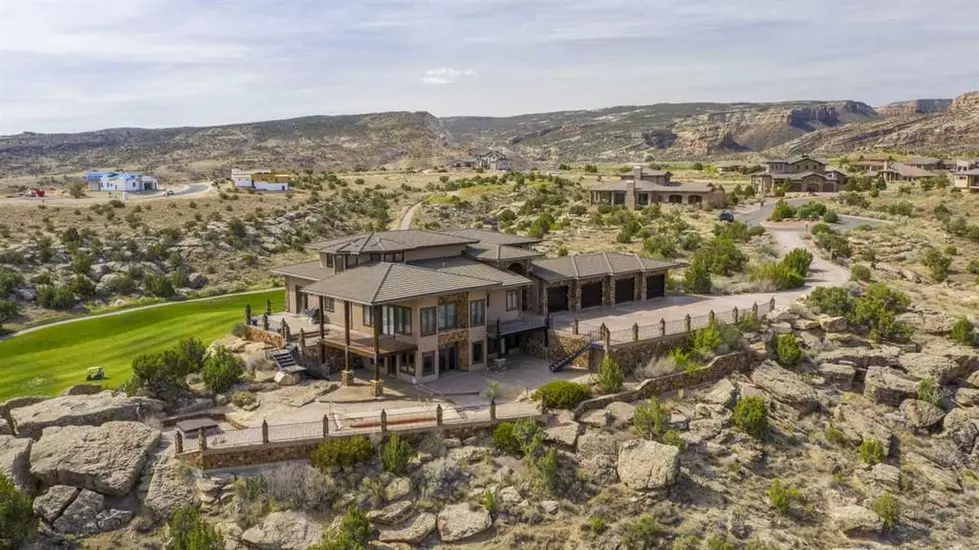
x=915, y=107
x=954, y=130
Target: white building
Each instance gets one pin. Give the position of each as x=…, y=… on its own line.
x=263, y=179
x=121, y=181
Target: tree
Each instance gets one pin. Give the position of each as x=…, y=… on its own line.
x=189, y=531
x=222, y=370
x=158, y=374
x=16, y=515
x=781, y=211
x=937, y=264
x=76, y=189
x=696, y=278
x=192, y=352
x=610, y=375
x=751, y=416
x=8, y=310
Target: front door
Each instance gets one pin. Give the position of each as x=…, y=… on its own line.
x=448, y=358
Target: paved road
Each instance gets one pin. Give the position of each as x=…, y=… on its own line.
x=753, y=215
x=409, y=215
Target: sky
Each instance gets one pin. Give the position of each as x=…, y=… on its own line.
x=76, y=65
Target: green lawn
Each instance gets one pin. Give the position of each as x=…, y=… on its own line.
x=50, y=359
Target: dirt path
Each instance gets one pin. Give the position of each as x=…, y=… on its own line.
x=409, y=215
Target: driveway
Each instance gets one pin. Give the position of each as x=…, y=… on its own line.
x=753, y=215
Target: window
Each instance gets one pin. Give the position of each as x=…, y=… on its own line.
x=375, y=257
x=447, y=316
x=329, y=304
x=477, y=313
x=407, y=364
x=396, y=320
x=394, y=257
x=368, y=315
x=352, y=261
x=512, y=300
x=427, y=315
x=329, y=260
x=428, y=363
x=477, y=353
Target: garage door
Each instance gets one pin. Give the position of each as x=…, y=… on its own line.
x=591, y=294
x=655, y=286
x=625, y=290
x=557, y=298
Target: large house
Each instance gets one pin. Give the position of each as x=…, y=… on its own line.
x=643, y=187
x=491, y=160
x=966, y=179
x=899, y=171
x=262, y=179
x=120, y=181
x=800, y=174
x=424, y=303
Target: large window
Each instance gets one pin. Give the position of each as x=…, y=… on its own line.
x=407, y=364
x=396, y=320
x=512, y=300
x=477, y=313
x=447, y=316
x=428, y=363
x=368, y=315
x=375, y=257
x=329, y=260
x=477, y=357
x=329, y=304
x=427, y=315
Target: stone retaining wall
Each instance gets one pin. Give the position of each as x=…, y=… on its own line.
x=258, y=334
x=562, y=344
x=718, y=368
x=636, y=354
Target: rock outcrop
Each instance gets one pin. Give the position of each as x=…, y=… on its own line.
x=856, y=520
x=884, y=385
x=80, y=410
x=647, y=465
x=15, y=462
x=170, y=487
x=288, y=530
x=412, y=531
x=460, y=521
x=785, y=386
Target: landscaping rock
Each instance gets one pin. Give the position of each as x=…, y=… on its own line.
x=53, y=503
x=921, y=414
x=936, y=476
x=565, y=434
x=833, y=324
x=550, y=506
x=621, y=414
x=81, y=517
x=961, y=427
x=397, y=489
x=393, y=513
x=5, y=428
x=413, y=531
x=723, y=393
x=107, y=458
x=923, y=365
x=18, y=402
x=857, y=426
x=856, y=521
x=647, y=465
x=289, y=530
x=80, y=410
x=860, y=357
x=967, y=397
x=885, y=385
x=82, y=389
x=599, y=418
x=785, y=385
x=840, y=376
x=196, y=280
x=886, y=475
x=15, y=463
x=460, y=521
x=170, y=487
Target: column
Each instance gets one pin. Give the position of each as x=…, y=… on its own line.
x=322, y=334
x=347, y=378
x=377, y=385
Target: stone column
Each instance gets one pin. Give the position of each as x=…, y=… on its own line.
x=265, y=432
x=438, y=414
x=178, y=442
x=662, y=327
x=686, y=323
x=377, y=385
x=268, y=307
x=265, y=321
x=384, y=420
x=326, y=426
x=201, y=440
x=635, y=332
x=347, y=373
x=248, y=315
x=492, y=409
x=735, y=313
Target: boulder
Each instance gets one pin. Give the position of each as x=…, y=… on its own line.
x=81, y=517
x=929, y=320
x=413, y=531
x=833, y=324
x=5, y=428
x=289, y=530
x=54, y=502
x=937, y=477
x=80, y=410
x=15, y=463
x=785, y=385
x=393, y=513
x=509, y=495
x=961, y=427
x=460, y=521
x=860, y=357
x=599, y=418
x=886, y=475
x=965, y=357
x=565, y=434
x=924, y=365
x=397, y=489
x=18, y=402
x=723, y=393
x=621, y=414
x=967, y=397
x=107, y=284
x=973, y=380
x=841, y=376
x=856, y=521
x=885, y=385
x=170, y=487
x=647, y=465
x=196, y=280
x=857, y=426
x=82, y=389
x=107, y=459
x=921, y=415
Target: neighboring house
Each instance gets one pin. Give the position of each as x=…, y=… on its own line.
x=492, y=160
x=727, y=167
x=425, y=304
x=898, y=171
x=966, y=179
x=263, y=179
x=644, y=187
x=464, y=162
x=120, y=181
x=927, y=163
x=861, y=166
x=800, y=174
x=966, y=165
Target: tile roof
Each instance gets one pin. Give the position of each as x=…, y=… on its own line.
x=799, y=176
x=384, y=282
x=905, y=170
x=311, y=271
x=500, y=252
x=800, y=158
x=973, y=172
x=472, y=268
x=583, y=266
x=388, y=241
x=648, y=186
x=490, y=237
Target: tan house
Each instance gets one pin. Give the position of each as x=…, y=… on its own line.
x=899, y=171
x=418, y=304
x=643, y=187
x=927, y=163
x=968, y=179
x=800, y=174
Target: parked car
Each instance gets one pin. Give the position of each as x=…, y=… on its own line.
x=168, y=193
x=726, y=216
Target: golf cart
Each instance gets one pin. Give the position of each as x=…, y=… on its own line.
x=95, y=373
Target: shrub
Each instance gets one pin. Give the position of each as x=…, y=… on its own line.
x=342, y=452
x=782, y=496
x=610, y=375
x=158, y=374
x=222, y=370
x=189, y=531
x=396, y=453
x=9, y=280
x=929, y=391
x=871, y=451
x=831, y=217
x=963, y=332
x=751, y=416
x=192, y=351
x=243, y=398
x=973, y=267
x=503, y=438
x=782, y=211
x=353, y=533
x=876, y=309
x=696, y=278
x=489, y=501
x=597, y=525
x=722, y=256
x=837, y=245
x=860, y=272
x=159, y=285
x=686, y=542
x=704, y=341
x=561, y=394
x=835, y=436
x=16, y=514
x=777, y=274
x=8, y=310
x=787, y=350
x=937, y=264
x=529, y=436
x=719, y=542
x=811, y=210
x=642, y=533
x=831, y=300
x=651, y=420
x=888, y=508
x=548, y=470
x=798, y=260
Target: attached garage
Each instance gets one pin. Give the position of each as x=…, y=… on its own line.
x=557, y=298
x=591, y=294
x=625, y=290
x=655, y=286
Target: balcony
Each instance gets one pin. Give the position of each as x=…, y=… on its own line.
x=526, y=322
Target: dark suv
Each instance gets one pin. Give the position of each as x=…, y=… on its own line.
x=726, y=216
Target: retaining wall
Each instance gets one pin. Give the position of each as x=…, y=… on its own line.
x=258, y=334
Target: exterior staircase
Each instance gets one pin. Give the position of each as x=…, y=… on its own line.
x=559, y=364
x=283, y=358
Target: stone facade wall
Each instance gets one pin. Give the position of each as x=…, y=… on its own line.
x=574, y=296
x=608, y=291
x=633, y=354
x=532, y=344
x=640, y=281
x=718, y=368
x=258, y=334
x=460, y=337
x=461, y=300
x=562, y=344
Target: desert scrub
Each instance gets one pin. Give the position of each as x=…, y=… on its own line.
x=888, y=508
x=189, y=531
x=642, y=533
x=596, y=525
x=341, y=452
x=963, y=332
x=561, y=394
x=783, y=497
x=860, y=272
x=835, y=436
x=504, y=440
x=353, y=533
x=16, y=515
x=719, y=542
x=787, y=350
x=488, y=501
x=610, y=377
x=396, y=453
x=652, y=421
x=243, y=399
x=871, y=451
x=751, y=416
x=929, y=391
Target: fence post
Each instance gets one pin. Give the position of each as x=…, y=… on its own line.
x=606, y=336
x=754, y=310
x=248, y=314
x=686, y=322
x=492, y=409
x=326, y=426
x=735, y=312
x=771, y=305
x=268, y=307
x=265, y=321
x=662, y=326
x=384, y=420
x=201, y=440
x=438, y=414
x=574, y=327
x=178, y=442
x=265, y=432
x=635, y=332
x=710, y=318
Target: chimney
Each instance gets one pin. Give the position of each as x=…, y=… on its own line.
x=637, y=172
x=630, y=188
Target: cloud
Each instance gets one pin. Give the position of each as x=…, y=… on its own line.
x=445, y=75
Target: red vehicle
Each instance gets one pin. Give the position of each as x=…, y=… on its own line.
x=34, y=192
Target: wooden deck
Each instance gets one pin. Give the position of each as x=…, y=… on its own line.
x=361, y=343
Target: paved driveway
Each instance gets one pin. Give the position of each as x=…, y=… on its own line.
x=754, y=215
